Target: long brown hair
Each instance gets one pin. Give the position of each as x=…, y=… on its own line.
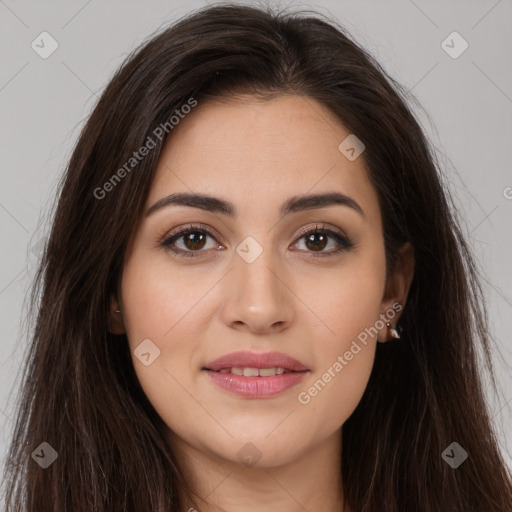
x=80, y=393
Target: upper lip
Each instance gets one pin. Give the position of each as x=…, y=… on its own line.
x=247, y=359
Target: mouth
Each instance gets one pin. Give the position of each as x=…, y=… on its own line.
x=250, y=364
x=256, y=375
x=253, y=372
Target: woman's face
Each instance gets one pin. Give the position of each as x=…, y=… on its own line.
x=250, y=280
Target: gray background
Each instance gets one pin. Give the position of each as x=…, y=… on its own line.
x=44, y=103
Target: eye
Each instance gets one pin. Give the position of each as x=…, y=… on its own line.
x=318, y=237
x=194, y=237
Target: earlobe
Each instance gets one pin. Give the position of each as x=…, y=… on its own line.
x=392, y=333
x=116, y=324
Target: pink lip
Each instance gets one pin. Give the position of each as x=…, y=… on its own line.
x=256, y=387
x=247, y=359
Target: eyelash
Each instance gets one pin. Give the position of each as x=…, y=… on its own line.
x=345, y=243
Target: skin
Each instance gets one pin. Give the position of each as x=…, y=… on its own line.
x=257, y=154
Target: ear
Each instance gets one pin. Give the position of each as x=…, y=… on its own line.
x=116, y=323
x=397, y=288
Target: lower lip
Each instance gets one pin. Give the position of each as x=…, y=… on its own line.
x=256, y=387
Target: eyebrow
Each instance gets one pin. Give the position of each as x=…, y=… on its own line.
x=292, y=205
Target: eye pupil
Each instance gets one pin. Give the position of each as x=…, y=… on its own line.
x=190, y=238
x=321, y=244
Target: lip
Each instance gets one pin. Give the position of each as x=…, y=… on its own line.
x=256, y=387
x=247, y=359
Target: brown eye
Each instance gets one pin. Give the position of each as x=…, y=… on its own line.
x=318, y=238
x=316, y=241
x=193, y=240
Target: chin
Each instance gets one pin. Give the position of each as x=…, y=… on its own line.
x=257, y=451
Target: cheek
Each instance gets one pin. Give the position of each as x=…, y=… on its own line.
x=345, y=362
x=160, y=297
x=345, y=301
x=164, y=305
x=345, y=350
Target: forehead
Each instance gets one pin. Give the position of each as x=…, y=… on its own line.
x=256, y=152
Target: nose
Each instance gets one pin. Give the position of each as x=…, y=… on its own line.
x=259, y=297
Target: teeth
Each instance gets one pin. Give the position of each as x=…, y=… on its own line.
x=253, y=372
x=249, y=372
x=267, y=372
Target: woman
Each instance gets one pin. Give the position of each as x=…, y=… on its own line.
x=255, y=293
